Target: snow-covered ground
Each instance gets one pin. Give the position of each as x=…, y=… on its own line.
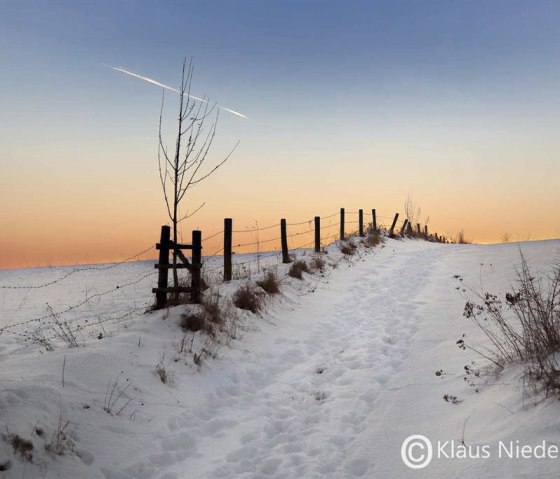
x=328, y=381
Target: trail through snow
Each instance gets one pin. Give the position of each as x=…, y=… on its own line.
x=327, y=383
x=296, y=406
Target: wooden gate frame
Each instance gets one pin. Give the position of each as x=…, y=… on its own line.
x=165, y=246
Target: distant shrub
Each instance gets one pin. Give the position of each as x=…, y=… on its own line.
x=297, y=269
x=270, y=283
x=462, y=239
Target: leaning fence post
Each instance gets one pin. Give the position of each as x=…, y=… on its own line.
x=361, y=222
x=392, y=229
x=163, y=263
x=196, y=265
x=374, y=221
x=341, y=224
x=284, y=240
x=317, y=234
x=403, y=229
x=228, y=233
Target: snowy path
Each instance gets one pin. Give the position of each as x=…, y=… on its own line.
x=295, y=407
x=326, y=384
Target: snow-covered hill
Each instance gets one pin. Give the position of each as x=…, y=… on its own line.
x=329, y=381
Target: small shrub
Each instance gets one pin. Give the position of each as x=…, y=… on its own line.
x=297, y=269
x=246, y=298
x=213, y=310
x=115, y=397
x=59, y=441
x=347, y=248
x=162, y=372
x=462, y=239
x=22, y=447
x=192, y=321
x=317, y=263
x=524, y=326
x=270, y=283
x=5, y=466
x=372, y=239
x=210, y=312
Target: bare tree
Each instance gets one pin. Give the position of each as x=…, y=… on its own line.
x=196, y=129
x=411, y=211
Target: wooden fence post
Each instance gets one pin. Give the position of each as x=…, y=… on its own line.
x=403, y=229
x=317, y=234
x=284, y=240
x=374, y=221
x=341, y=224
x=161, y=296
x=196, y=265
x=418, y=229
x=361, y=222
x=409, y=229
x=392, y=229
x=426, y=231
x=228, y=235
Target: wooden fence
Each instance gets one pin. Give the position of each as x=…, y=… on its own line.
x=166, y=246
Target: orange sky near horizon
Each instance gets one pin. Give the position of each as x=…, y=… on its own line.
x=454, y=104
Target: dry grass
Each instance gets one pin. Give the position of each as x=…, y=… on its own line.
x=248, y=299
x=210, y=313
x=297, y=269
x=462, y=239
x=372, y=239
x=318, y=263
x=270, y=283
x=22, y=447
x=524, y=326
x=347, y=248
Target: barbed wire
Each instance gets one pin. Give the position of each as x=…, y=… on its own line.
x=213, y=236
x=53, y=313
x=88, y=268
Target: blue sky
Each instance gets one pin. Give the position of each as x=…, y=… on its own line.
x=420, y=95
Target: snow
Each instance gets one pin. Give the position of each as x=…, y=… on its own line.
x=328, y=381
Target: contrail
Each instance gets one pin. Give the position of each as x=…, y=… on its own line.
x=154, y=82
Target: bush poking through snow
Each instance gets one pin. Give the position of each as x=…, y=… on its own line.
x=347, y=248
x=246, y=298
x=161, y=371
x=115, y=397
x=270, y=283
x=192, y=321
x=372, y=239
x=210, y=312
x=523, y=326
x=297, y=269
x=318, y=263
x=22, y=447
x=62, y=330
x=5, y=466
x=462, y=239
x=59, y=441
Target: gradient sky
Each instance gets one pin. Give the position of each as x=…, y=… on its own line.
x=355, y=104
